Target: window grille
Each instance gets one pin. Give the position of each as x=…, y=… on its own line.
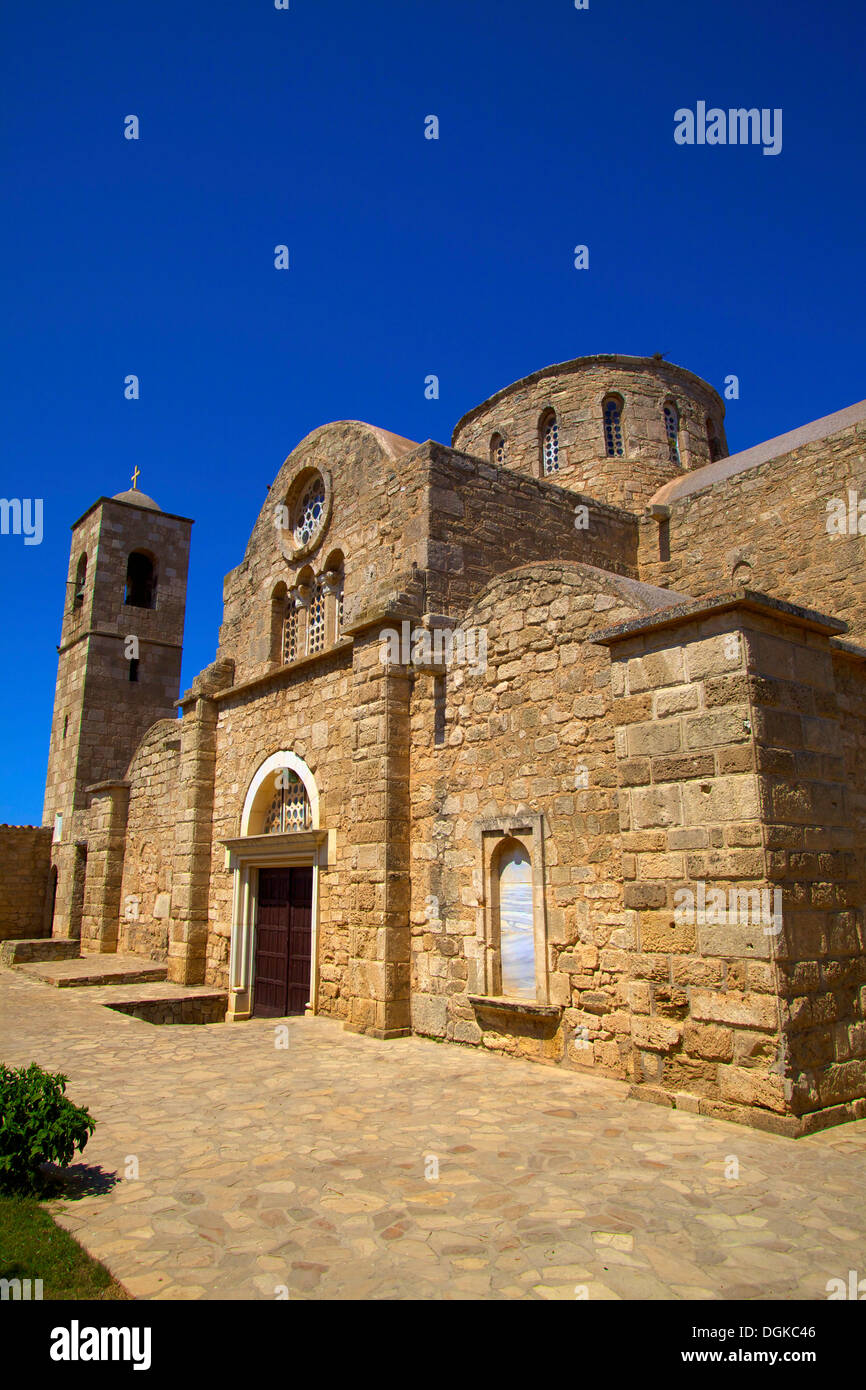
x=316, y=618
x=310, y=512
x=290, y=632
x=550, y=446
x=613, y=429
x=672, y=430
x=290, y=808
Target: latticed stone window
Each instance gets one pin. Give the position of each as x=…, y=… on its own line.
x=672, y=430
x=290, y=632
x=612, y=412
x=497, y=451
x=310, y=511
x=550, y=445
x=316, y=618
x=340, y=608
x=290, y=808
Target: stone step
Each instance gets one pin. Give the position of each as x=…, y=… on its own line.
x=28, y=949
x=96, y=970
x=160, y=1002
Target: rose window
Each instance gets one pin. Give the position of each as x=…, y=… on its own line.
x=310, y=512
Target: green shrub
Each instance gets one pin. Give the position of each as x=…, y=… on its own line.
x=37, y=1125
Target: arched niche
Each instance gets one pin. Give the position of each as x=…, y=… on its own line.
x=513, y=918
x=511, y=883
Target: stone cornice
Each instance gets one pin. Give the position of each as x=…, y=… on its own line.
x=149, y=511
x=117, y=637
x=749, y=600
x=282, y=674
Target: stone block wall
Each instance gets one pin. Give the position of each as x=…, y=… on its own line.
x=527, y=739
x=769, y=523
x=106, y=844
x=69, y=862
x=155, y=791
x=809, y=741
x=197, y=1009
x=733, y=782
x=25, y=881
x=484, y=521
x=705, y=1018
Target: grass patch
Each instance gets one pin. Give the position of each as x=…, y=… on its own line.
x=33, y=1246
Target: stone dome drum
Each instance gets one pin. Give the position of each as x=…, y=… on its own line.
x=614, y=427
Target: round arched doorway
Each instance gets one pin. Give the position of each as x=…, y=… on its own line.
x=275, y=861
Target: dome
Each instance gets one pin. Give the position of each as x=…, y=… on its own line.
x=138, y=499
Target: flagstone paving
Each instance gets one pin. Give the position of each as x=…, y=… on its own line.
x=310, y=1171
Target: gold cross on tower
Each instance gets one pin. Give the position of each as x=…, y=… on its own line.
x=135, y=476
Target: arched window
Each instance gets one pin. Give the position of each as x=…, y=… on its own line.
x=279, y=611
x=548, y=432
x=140, y=589
x=289, y=651
x=513, y=883
x=497, y=451
x=612, y=414
x=274, y=782
x=316, y=617
x=290, y=807
x=672, y=430
x=333, y=579
x=80, y=581
x=713, y=441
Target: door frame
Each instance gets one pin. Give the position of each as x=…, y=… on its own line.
x=244, y=857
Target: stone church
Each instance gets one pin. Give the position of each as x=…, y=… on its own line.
x=551, y=741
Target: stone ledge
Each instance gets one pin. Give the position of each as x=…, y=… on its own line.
x=383, y=1034
x=787, y=1126
x=281, y=672
x=501, y=1004
x=108, y=968
x=41, y=948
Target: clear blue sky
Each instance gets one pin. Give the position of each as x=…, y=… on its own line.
x=408, y=256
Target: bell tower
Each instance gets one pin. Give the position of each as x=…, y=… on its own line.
x=118, y=667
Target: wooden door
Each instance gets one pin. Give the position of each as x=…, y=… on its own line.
x=284, y=930
x=300, y=940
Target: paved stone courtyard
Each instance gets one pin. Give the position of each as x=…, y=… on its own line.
x=303, y=1168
